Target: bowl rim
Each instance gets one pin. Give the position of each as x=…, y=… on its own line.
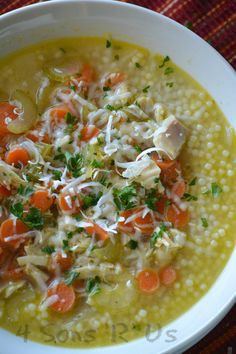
x=231, y=298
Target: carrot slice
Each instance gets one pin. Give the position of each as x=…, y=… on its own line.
x=148, y=281
x=58, y=113
x=88, y=73
x=4, y=192
x=69, y=203
x=65, y=261
x=66, y=297
x=13, y=274
x=168, y=275
x=101, y=234
x=89, y=132
x=144, y=224
x=179, y=218
x=11, y=227
x=179, y=188
x=17, y=155
x=170, y=169
x=42, y=200
x=6, y=115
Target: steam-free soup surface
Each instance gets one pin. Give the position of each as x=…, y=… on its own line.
x=116, y=188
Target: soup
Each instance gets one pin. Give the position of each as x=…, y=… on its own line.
x=117, y=192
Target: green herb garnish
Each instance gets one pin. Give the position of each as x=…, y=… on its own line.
x=188, y=197
x=106, y=88
x=71, y=277
x=97, y=164
x=204, y=222
x=110, y=107
x=124, y=198
x=169, y=84
x=93, y=286
x=25, y=191
x=138, y=148
x=165, y=60
x=156, y=235
x=132, y=244
x=145, y=90
x=168, y=71
x=193, y=182
x=70, y=119
x=152, y=199
x=108, y=44
x=138, y=65
x=48, y=249
x=215, y=190
x=90, y=200
x=56, y=175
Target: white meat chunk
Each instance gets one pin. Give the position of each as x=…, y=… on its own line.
x=170, y=137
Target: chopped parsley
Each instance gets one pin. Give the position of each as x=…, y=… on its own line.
x=156, y=235
x=93, y=286
x=132, y=244
x=33, y=219
x=165, y=60
x=193, y=182
x=70, y=119
x=145, y=90
x=17, y=210
x=69, y=234
x=156, y=179
x=62, y=50
x=56, y=175
x=108, y=44
x=90, y=200
x=48, y=249
x=124, y=198
x=25, y=191
x=74, y=163
x=152, y=198
x=188, y=197
x=71, y=277
x=73, y=88
x=168, y=71
x=110, y=107
x=103, y=180
x=138, y=65
x=215, y=190
x=97, y=164
x=106, y=88
x=116, y=57
x=138, y=148
x=169, y=84
x=204, y=222
x=65, y=246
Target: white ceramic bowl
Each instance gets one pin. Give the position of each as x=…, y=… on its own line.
x=134, y=24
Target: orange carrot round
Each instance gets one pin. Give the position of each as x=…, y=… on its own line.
x=89, y=132
x=170, y=169
x=66, y=297
x=42, y=200
x=65, y=261
x=144, y=224
x=4, y=192
x=179, y=218
x=58, y=113
x=11, y=227
x=148, y=281
x=100, y=233
x=6, y=111
x=168, y=275
x=69, y=203
x=17, y=156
